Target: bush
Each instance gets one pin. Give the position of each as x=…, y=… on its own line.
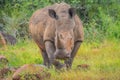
x=100, y=18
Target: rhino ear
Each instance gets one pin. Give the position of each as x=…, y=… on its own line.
x=52, y=13
x=72, y=12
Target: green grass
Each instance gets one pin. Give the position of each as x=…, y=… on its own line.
x=103, y=60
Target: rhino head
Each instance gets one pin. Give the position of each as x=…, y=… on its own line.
x=64, y=36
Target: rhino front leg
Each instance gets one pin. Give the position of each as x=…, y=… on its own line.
x=50, y=49
x=73, y=54
x=44, y=54
x=45, y=58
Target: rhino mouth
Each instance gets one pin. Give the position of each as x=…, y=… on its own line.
x=62, y=56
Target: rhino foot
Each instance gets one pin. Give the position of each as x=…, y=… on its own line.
x=60, y=66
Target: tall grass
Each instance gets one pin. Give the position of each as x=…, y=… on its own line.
x=103, y=60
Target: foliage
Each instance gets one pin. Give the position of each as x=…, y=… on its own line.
x=100, y=17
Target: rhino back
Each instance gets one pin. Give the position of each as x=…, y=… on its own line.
x=39, y=22
x=78, y=30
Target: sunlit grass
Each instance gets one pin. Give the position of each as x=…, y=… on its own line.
x=22, y=53
x=103, y=60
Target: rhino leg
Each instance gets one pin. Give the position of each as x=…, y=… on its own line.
x=44, y=54
x=69, y=61
x=50, y=49
x=45, y=58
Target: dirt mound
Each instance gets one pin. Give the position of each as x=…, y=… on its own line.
x=7, y=39
x=83, y=66
x=31, y=72
x=4, y=70
x=3, y=61
x=2, y=41
x=25, y=72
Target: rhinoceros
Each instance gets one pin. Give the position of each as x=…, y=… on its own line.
x=58, y=32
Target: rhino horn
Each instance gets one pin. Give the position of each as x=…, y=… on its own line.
x=59, y=44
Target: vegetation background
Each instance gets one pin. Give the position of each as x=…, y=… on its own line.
x=101, y=48
x=100, y=17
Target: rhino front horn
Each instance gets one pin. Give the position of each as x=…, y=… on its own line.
x=59, y=43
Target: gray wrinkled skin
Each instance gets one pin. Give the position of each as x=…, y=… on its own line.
x=58, y=32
